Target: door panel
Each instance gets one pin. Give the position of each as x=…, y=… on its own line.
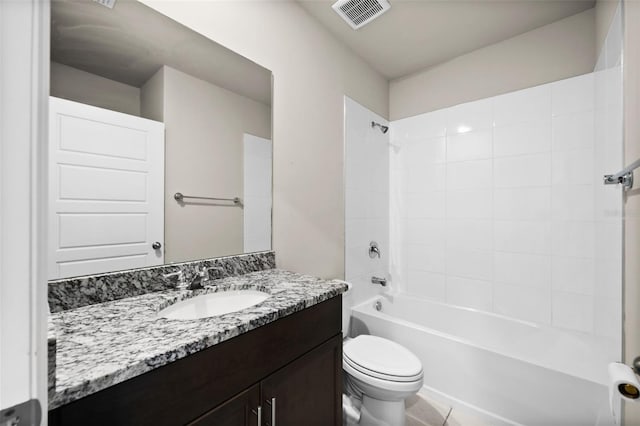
x=308, y=391
x=241, y=410
x=106, y=189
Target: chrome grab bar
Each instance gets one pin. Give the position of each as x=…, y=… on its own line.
x=179, y=197
x=624, y=176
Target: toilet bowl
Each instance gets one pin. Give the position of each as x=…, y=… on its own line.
x=379, y=375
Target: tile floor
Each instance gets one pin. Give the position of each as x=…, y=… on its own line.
x=423, y=411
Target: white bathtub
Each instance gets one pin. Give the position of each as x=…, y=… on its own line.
x=509, y=371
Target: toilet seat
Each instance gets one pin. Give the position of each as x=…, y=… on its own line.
x=379, y=358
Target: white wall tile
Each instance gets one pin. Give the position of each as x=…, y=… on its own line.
x=420, y=127
x=573, y=202
x=469, y=146
x=525, y=303
x=469, y=293
x=427, y=285
x=524, y=270
x=573, y=94
x=572, y=311
x=469, y=174
x=573, y=167
x=426, y=231
x=426, y=178
x=574, y=275
x=526, y=170
x=532, y=237
x=429, y=205
x=524, y=220
x=521, y=106
x=574, y=131
x=469, y=204
x=470, y=234
x=522, y=203
x=426, y=258
x=468, y=117
x=607, y=319
x=574, y=239
x=523, y=138
x=470, y=264
x=425, y=151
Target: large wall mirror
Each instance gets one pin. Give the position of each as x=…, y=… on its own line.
x=160, y=143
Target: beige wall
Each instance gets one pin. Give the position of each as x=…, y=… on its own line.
x=632, y=203
x=604, y=12
x=152, y=97
x=312, y=72
x=204, y=129
x=80, y=86
x=563, y=49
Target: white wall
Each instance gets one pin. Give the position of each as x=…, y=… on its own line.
x=631, y=38
x=80, y=86
x=23, y=231
x=205, y=127
x=505, y=211
x=257, y=199
x=312, y=73
x=559, y=50
x=367, y=201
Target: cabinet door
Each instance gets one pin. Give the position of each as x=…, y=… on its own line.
x=308, y=391
x=241, y=410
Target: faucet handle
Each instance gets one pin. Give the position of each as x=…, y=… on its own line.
x=204, y=272
x=180, y=281
x=374, y=250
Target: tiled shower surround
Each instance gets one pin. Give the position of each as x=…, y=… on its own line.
x=498, y=204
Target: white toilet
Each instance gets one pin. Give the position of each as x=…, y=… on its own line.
x=378, y=376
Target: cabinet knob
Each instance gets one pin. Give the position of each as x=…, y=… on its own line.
x=156, y=246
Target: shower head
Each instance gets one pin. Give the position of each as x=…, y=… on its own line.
x=383, y=129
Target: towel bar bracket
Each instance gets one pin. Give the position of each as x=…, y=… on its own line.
x=626, y=180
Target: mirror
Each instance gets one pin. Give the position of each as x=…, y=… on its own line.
x=160, y=143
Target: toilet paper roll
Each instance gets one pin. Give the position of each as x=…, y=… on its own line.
x=623, y=384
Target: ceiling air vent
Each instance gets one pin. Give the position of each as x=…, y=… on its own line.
x=358, y=13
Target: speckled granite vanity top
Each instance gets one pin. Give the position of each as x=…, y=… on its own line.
x=104, y=344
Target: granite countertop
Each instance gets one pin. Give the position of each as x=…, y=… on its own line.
x=100, y=345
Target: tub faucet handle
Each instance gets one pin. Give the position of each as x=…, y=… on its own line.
x=374, y=250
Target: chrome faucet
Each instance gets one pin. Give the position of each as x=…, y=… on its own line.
x=374, y=250
x=180, y=282
x=378, y=280
x=202, y=275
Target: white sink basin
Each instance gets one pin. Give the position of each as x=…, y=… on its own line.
x=213, y=304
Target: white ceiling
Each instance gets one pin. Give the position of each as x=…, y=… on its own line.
x=414, y=35
x=130, y=42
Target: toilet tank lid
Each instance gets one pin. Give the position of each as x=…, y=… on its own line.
x=382, y=356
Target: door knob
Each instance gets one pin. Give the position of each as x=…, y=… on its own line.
x=156, y=246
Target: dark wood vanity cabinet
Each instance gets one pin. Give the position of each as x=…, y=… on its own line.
x=302, y=393
x=294, y=364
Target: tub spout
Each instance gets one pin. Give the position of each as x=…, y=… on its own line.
x=378, y=280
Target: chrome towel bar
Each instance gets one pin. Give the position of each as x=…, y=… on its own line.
x=179, y=197
x=624, y=176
